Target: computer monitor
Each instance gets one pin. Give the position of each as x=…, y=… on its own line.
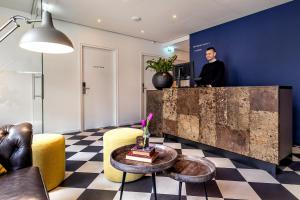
x=183, y=71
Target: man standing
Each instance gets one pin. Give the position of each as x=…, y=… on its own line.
x=212, y=74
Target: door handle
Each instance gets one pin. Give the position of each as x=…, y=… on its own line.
x=84, y=88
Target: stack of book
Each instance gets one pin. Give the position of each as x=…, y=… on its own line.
x=147, y=154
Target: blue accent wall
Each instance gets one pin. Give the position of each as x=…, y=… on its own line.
x=259, y=49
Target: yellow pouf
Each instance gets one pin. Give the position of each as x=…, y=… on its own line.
x=48, y=153
x=112, y=140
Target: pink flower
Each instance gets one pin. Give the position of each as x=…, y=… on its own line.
x=150, y=116
x=143, y=123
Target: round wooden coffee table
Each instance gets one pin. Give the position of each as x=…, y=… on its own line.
x=192, y=169
x=166, y=159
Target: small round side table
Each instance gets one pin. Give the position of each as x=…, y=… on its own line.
x=166, y=159
x=192, y=169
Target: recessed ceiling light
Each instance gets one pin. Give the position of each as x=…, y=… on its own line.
x=99, y=20
x=142, y=31
x=136, y=18
x=174, y=16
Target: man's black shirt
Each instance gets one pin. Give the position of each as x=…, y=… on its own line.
x=213, y=74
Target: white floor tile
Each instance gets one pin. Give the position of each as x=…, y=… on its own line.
x=97, y=143
x=133, y=196
x=62, y=193
x=295, y=159
x=166, y=185
x=294, y=189
x=173, y=145
x=286, y=169
x=257, y=176
x=236, y=190
x=91, y=167
x=70, y=142
x=156, y=140
x=82, y=156
x=75, y=148
x=101, y=183
x=296, y=150
x=193, y=152
x=93, y=138
x=221, y=162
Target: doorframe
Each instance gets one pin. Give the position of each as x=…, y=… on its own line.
x=142, y=54
x=115, y=52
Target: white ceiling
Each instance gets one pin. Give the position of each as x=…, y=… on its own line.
x=157, y=21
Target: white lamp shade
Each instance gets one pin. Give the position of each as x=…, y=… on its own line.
x=46, y=39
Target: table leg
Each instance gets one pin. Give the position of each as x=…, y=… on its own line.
x=122, y=185
x=205, y=191
x=179, y=192
x=154, y=185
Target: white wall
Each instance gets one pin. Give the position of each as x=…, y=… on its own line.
x=16, y=103
x=182, y=56
x=62, y=76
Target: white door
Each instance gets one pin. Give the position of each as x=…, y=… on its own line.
x=98, y=88
x=147, y=82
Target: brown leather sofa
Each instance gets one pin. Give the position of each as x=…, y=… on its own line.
x=22, y=180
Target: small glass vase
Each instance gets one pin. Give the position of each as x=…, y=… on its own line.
x=146, y=137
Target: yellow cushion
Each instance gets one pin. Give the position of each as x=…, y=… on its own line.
x=112, y=140
x=2, y=170
x=48, y=153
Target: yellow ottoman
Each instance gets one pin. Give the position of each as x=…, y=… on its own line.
x=112, y=140
x=48, y=153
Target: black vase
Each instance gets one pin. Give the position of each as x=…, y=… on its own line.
x=162, y=80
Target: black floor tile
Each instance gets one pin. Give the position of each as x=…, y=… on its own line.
x=295, y=166
x=197, y=189
x=79, y=180
x=288, y=177
x=167, y=197
x=92, y=130
x=141, y=185
x=228, y=174
x=77, y=137
x=272, y=191
x=97, y=134
x=92, y=149
x=69, y=154
x=179, y=151
x=186, y=146
x=84, y=142
x=72, y=165
x=72, y=133
x=209, y=154
x=97, y=194
x=241, y=165
x=97, y=157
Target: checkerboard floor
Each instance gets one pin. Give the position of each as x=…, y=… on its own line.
x=85, y=180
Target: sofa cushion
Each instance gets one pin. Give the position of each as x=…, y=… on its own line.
x=25, y=183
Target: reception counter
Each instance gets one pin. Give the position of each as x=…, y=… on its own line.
x=255, y=122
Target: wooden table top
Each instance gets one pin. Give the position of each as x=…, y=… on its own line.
x=192, y=169
x=166, y=159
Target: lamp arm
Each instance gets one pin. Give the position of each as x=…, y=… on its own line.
x=16, y=25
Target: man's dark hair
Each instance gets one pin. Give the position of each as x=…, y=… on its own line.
x=211, y=48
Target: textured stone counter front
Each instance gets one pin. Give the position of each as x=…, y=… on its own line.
x=252, y=121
